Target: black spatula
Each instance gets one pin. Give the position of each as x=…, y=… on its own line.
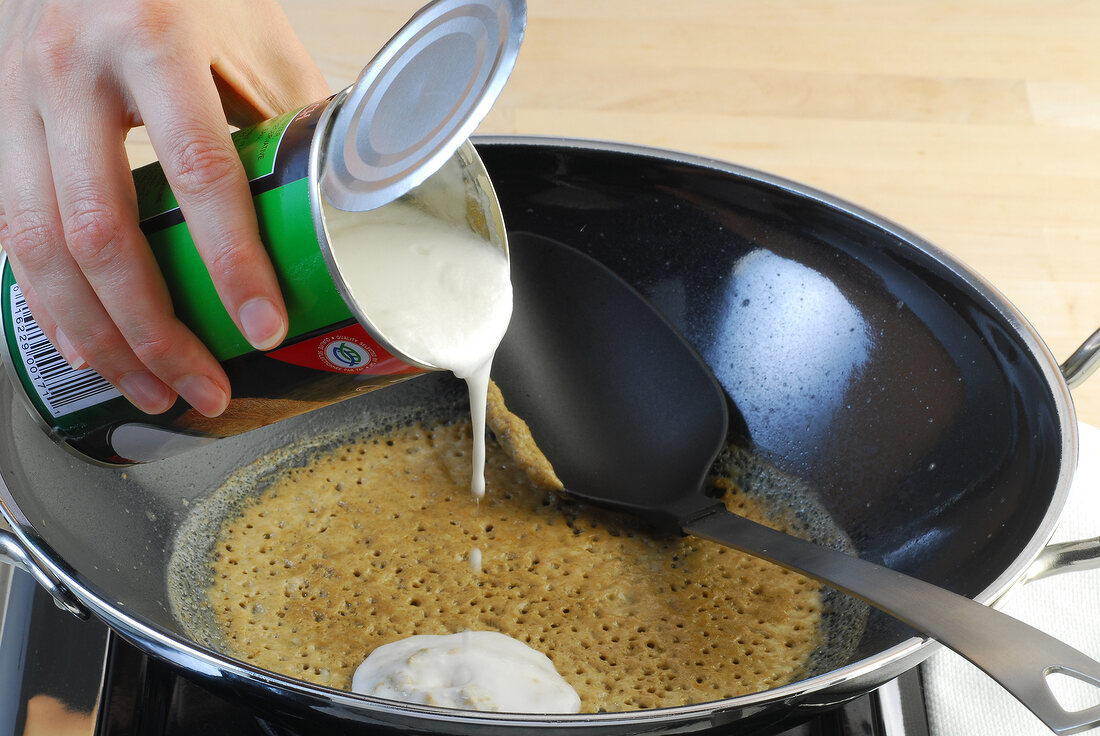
x=631, y=418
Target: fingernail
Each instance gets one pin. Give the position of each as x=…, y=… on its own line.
x=146, y=392
x=205, y=396
x=262, y=323
x=68, y=352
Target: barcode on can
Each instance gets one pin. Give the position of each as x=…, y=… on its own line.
x=62, y=388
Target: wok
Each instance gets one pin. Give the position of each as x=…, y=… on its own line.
x=933, y=423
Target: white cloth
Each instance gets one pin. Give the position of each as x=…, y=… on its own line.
x=960, y=698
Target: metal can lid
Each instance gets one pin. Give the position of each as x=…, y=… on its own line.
x=419, y=99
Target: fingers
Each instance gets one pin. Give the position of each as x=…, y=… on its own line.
x=34, y=243
x=157, y=354
x=73, y=79
x=207, y=177
x=12, y=237
x=45, y=322
x=78, y=244
x=72, y=237
x=32, y=235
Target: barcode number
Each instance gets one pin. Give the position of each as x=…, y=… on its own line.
x=62, y=388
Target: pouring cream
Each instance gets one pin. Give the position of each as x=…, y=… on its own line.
x=438, y=293
x=443, y=296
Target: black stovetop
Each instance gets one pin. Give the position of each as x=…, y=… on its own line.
x=60, y=675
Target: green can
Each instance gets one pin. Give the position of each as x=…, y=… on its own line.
x=299, y=165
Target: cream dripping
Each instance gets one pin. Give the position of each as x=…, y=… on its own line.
x=443, y=296
x=435, y=291
x=472, y=670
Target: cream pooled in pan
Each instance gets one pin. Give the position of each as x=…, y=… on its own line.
x=474, y=670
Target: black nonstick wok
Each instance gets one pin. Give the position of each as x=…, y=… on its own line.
x=927, y=415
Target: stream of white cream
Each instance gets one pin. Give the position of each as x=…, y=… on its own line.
x=433, y=290
x=443, y=297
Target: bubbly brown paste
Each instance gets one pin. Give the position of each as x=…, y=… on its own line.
x=370, y=543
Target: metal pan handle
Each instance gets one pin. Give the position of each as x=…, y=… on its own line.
x=1016, y=655
x=12, y=552
x=1083, y=362
x=1083, y=554
x=1062, y=557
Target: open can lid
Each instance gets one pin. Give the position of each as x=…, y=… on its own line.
x=416, y=102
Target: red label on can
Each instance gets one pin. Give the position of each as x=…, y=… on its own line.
x=349, y=349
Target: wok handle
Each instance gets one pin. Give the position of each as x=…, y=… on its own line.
x=1016, y=655
x=1084, y=361
x=12, y=552
x=1062, y=557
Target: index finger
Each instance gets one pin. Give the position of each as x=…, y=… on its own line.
x=190, y=134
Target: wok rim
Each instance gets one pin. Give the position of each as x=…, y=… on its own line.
x=205, y=662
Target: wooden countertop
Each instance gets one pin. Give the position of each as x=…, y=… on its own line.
x=976, y=125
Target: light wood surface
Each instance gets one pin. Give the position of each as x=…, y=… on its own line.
x=975, y=124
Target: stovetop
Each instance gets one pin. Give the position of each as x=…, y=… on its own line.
x=62, y=676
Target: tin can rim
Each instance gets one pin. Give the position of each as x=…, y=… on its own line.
x=421, y=96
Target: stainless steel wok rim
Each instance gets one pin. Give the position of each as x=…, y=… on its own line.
x=214, y=666
x=217, y=667
x=207, y=663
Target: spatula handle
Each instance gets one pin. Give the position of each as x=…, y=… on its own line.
x=1016, y=655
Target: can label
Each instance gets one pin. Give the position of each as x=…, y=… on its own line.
x=61, y=389
x=327, y=356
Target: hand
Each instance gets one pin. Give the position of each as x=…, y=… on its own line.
x=75, y=77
